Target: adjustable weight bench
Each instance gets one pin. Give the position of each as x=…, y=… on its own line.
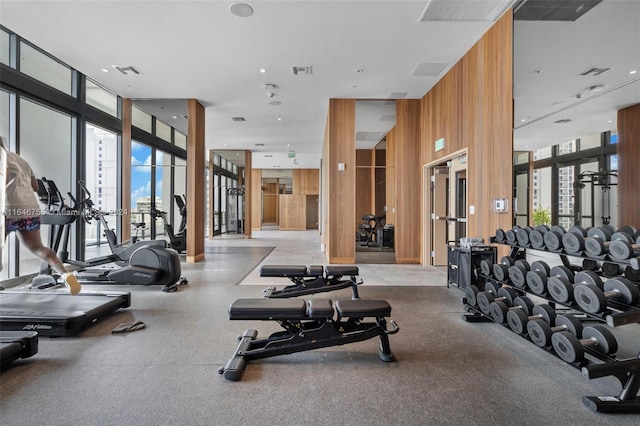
x=311, y=280
x=307, y=325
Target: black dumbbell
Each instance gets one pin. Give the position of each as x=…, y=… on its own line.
x=485, y=298
x=518, y=319
x=562, y=290
x=471, y=291
x=499, y=309
x=624, y=249
x=553, y=238
x=632, y=274
x=600, y=239
x=538, y=282
x=518, y=273
x=536, y=237
x=593, y=299
x=510, y=235
x=590, y=265
x=522, y=235
x=610, y=269
x=486, y=267
x=628, y=229
x=571, y=349
x=501, y=270
x=573, y=240
x=540, y=332
x=500, y=236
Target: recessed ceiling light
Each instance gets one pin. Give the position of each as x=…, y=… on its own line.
x=610, y=121
x=523, y=120
x=262, y=70
x=241, y=10
x=633, y=71
x=279, y=118
x=105, y=70
x=275, y=103
x=175, y=116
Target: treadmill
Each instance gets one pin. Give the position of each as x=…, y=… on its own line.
x=57, y=314
x=15, y=345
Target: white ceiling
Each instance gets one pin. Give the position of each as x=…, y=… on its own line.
x=198, y=49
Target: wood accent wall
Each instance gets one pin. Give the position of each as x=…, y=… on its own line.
x=293, y=211
x=628, y=161
x=125, y=200
x=408, y=189
x=195, y=181
x=256, y=200
x=390, y=196
x=306, y=181
x=340, y=143
x=364, y=184
x=471, y=107
x=270, y=202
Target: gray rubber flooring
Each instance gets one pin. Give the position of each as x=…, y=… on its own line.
x=448, y=371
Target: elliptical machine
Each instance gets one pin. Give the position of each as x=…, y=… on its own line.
x=148, y=264
x=177, y=240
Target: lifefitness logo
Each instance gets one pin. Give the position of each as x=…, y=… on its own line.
x=37, y=327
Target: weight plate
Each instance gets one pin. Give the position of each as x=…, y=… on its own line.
x=517, y=276
x=607, y=343
x=523, y=264
x=539, y=265
x=595, y=246
x=578, y=230
x=562, y=271
x=507, y=260
x=500, y=236
x=484, y=299
x=572, y=243
x=609, y=228
x=537, y=282
x=517, y=320
x=622, y=236
x=628, y=229
x=524, y=303
x=508, y=294
x=511, y=237
x=539, y=332
x=558, y=229
x=560, y=289
x=589, y=265
x=537, y=239
x=610, y=269
x=501, y=272
x=588, y=277
x=486, y=267
x=627, y=292
x=621, y=249
x=542, y=228
x=546, y=313
x=567, y=346
x=590, y=298
x=523, y=237
x=553, y=240
x=571, y=324
x=600, y=233
x=632, y=274
x=492, y=287
x=471, y=293
x=498, y=311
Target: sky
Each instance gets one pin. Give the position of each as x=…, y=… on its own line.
x=141, y=173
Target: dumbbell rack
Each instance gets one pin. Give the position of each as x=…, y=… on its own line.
x=597, y=365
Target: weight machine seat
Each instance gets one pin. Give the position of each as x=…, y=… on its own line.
x=295, y=271
x=341, y=270
x=298, y=309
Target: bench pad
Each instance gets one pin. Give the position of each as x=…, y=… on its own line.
x=363, y=308
x=267, y=309
x=341, y=270
x=291, y=271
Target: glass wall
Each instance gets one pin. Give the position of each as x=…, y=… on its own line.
x=141, y=172
x=45, y=69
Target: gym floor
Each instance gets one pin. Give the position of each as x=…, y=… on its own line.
x=448, y=371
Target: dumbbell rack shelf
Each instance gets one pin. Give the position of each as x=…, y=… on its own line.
x=595, y=364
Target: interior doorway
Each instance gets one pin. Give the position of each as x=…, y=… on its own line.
x=445, y=195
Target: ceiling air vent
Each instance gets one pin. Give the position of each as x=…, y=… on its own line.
x=184, y=116
x=427, y=69
x=545, y=10
x=369, y=136
x=238, y=119
x=461, y=10
x=563, y=121
x=304, y=70
x=130, y=70
x=259, y=144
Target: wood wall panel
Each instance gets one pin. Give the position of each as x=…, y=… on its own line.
x=628, y=161
x=407, y=157
x=270, y=202
x=341, y=183
x=256, y=199
x=391, y=177
x=471, y=107
x=292, y=212
x=306, y=181
x=195, y=181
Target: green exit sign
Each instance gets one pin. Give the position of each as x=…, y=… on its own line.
x=439, y=144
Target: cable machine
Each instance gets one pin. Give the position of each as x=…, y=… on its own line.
x=604, y=179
